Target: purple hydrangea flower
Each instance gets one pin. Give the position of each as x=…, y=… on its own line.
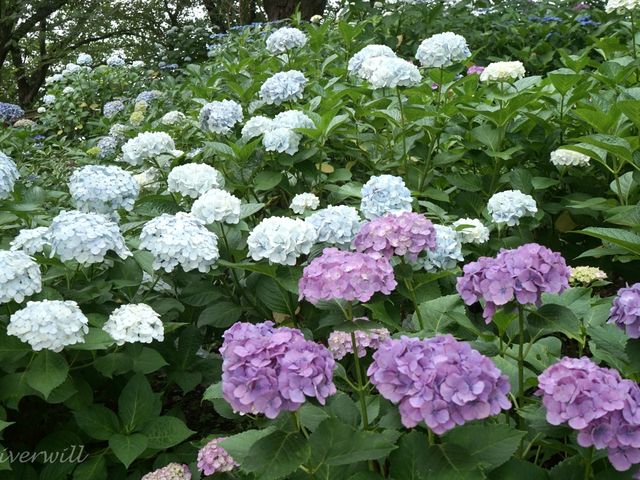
x=268, y=370
x=522, y=274
x=406, y=233
x=346, y=275
x=438, y=380
x=475, y=69
x=340, y=343
x=173, y=471
x=10, y=112
x=625, y=311
x=213, y=458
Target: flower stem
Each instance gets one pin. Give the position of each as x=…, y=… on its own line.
x=361, y=388
x=587, y=465
x=521, y=362
x=402, y=127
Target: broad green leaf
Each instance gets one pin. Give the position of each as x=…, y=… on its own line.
x=408, y=461
x=137, y=404
x=98, y=422
x=94, y=468
x=488, y=445
x=166, y=432
x=276, y=455
x=239, y=445
x=47, y=371
x=128, y=447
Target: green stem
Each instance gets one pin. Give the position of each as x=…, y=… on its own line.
x=587, y=465
x=414, y=299
x=361, y=387
x=402, y=127
x=521, y=362
x=633, y=37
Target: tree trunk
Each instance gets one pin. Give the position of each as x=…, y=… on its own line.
x=282, y=9
x=216, y=14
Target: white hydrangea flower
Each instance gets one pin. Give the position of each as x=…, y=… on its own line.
x=194, y=179
x=281, y=240
x=147, y=177
x=41, y=110
x=283, y=87
x=8, y=176
x=355, y=62
x=135, y=323
x=336, y=224
x=564, y=157
x=148, y=146
x=85, y=237
x=585, y=275
x=49, y=324
x=384, y=194
x=84, y=59
x=71, y=68
x=256, y=126
x=173, y=117
x=118, y=130
x=510, y=206
x=471, y=230
x=19, y=276
x=285, y=39
x=31, y=240
x=49, y=99
x=292, y=119
x=103, y=189
x=137, y=64
x=179, y=239
x=217, y=206
x=502, y=72
x=57, y=77
x=304, y=201
x=389, y=72
x=316, y=19
x=115, y=61
x=281, y=140
x=443, y=50
x=621, y=6
x=68, y=90
x=448, y=251
x=220, y=117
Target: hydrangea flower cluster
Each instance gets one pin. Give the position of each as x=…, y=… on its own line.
x=31, y=241
x=586, y=275
x=173, y=471
x=213, y=458
x=278, y=134
x=148, y=146
x=340, y=275
x=24, y=123
x=85, y=237
x=115, y=61
x=49, y=324
x=292, y=119
x=446, y=254
x=522, y=274
x=49, y=99
x=384, y=194
x=111, y=109
x=10, y=112
x=355, y=62
x=84, y=59
x=269, y=370
x=336, y=224
x=135, y=323
x=443, y=50
x=179, y=239
x=625, y=311
x=281, y=240
x=404, y=233
x=389, y=72
x=285, y=39
x=194, y=179
x=475, y=70
x=564, y=157
x=281, y=140
x=256, y=126
x=174, y=117
x=510, y=206
x=438, y=380
x=217, y=206
x=220, y=117
x=304, y=201
x=502, y=72
x=19, y=276
x=103, y=189
x=283, y=87
x=107, y=146
x=148, y=96
x=621, y=6
x=471, y=230
x=8, y=175
x=340, y=343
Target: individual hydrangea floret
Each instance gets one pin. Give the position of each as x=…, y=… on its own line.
x=103, y=189
x=31, y=240
x=403, y=234
x=256, y=126
x=389, y=72
x=281, y=240
x=115, y=61
x=84, y=59
x=107, y=146
x=502, y=72
x=285, y=39
x=564, y=157
x=149, y=146
x=471, y=230
x=340, y=275
x=621, y=6
x=85, y=237
x=10, y=112
x=282, y=140
x=194, y=179
x=213, y=458
x=443, y=50
x=283, y=87
x=355, y=62
x=179, y=239
x=49, y=324
x=220, y=117
x=304, y=201
x=173, y=117
x=439, y=380
x=446, y=254
x=173, y=471
x=8, y=176
x=341, y=344
x=510, y=206
x=384, y=194
x=19, y=276
x=217, y=206
x=625, y=312
x=268, y=370
x=336, y=224
x=135, y=323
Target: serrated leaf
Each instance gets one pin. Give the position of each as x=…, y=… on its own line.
x=128, y=447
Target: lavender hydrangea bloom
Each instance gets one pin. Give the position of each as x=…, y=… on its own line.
x=625, y=312
x=111, y=109
x=522, y=274
x=283, y=87
x=443, y=50
x=8, y=175
x=220, y=117
x=108, y=146
x=447, y=253
x=384, y=194
x=173, y=471
x=336, y=224
x=10, y=112
x=340, y=343
x=347, y=276
x=214, y=458
x=269, y=370
x=438, y=380
x=399, y=234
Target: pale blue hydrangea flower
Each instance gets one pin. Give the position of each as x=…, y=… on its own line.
x=49, y=99
x=57, y=77
x=137, y=64
x=180, y=239
x=148, y=95
x=220, y=117
x=283, y=87
x=84, y=59
x=510, y=206
x=285, y=39
x=108, y=146
x=389, y=72
x=118, y=131
x=448, y=251
x=281, y=240
x=293, y=119
x=471, y=230
x=336, y=224
x=68, y=90
x=384, y=194
x=443, y=50
x=19, y=276
x=256, y=126
x=31, y=240
x=217, y=206
x=71, y=68
x=10, y=112
x=194, y=179
x=8, y=175
x=85, y=237
x=111, y=109
x=149, y=146
x=173, y=117
x=281, y=140
x=115, y=61
x=355, y=62
x=103, y=189
x=304, y=201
